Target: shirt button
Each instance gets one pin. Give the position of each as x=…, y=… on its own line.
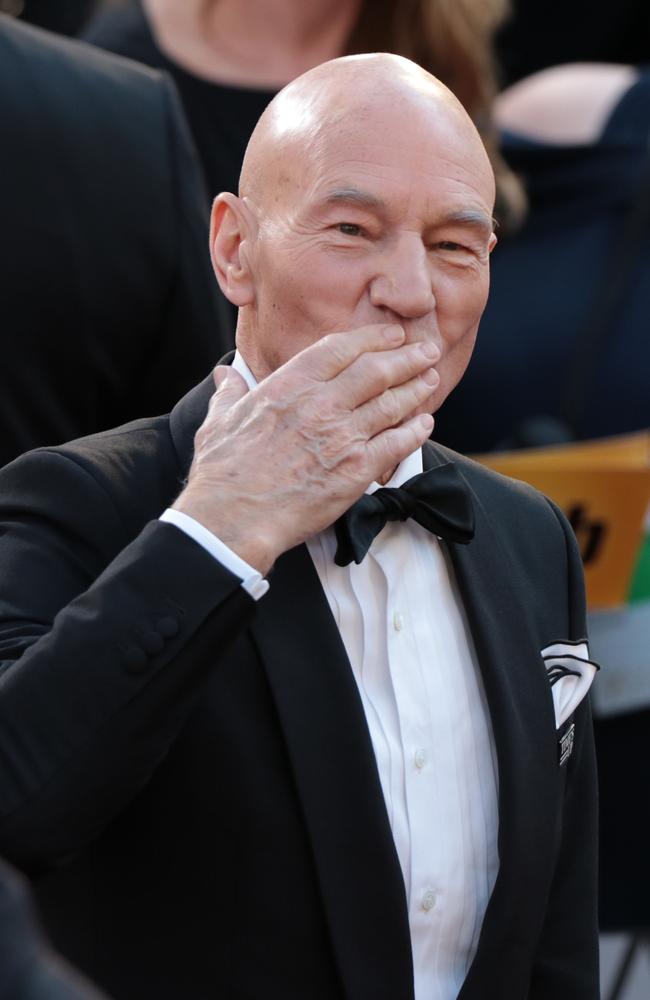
x=420, y=758
x=398, y=621
x=428, y=900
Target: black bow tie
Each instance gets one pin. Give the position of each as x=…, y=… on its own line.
x=439, y=500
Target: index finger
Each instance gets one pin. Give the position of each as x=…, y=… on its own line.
x=335, y=352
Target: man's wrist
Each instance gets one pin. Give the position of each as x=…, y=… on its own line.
x=248, y=545
x=251, y=579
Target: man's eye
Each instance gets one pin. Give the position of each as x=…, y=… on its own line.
x=349, y=229
x=449, y=245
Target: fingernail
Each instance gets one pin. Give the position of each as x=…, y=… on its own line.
x=430, y=376
x=394, y=334
x=430, y=351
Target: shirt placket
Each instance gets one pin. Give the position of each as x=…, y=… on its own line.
x=419, y=774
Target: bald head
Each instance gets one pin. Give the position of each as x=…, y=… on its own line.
x=366, y=196
x=328, y=106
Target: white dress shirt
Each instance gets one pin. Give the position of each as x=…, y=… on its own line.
x=404, y=629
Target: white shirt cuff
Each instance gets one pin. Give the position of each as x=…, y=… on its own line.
x=252, y=581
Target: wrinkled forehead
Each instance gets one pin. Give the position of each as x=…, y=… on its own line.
x=386, y=150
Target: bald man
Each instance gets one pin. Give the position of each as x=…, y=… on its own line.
x=273, y=748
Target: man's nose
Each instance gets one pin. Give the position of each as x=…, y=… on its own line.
x=404, y=281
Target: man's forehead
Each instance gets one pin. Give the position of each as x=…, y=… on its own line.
x=388, y=156
x=349, y=195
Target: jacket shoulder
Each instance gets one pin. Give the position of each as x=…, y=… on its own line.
x=118, y=479
x=491, y=486
x=530, y=529
x=33, y=52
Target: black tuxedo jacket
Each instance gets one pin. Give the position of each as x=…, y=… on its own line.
x=199, y=765
x=108, y=306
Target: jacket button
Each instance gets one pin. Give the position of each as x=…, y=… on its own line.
x=168, y=627
x=135, y=659
x=152, y=643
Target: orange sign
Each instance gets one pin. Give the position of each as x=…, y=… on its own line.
x=603, y=487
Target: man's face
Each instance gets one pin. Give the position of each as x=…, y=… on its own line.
x=386, y=222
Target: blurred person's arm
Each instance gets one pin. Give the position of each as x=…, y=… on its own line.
x=564, y=105
x=29, y=969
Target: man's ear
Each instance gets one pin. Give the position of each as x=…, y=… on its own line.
x=230, y=229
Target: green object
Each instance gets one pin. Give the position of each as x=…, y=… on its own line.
x=640, y=586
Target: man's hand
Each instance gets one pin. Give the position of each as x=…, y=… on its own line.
x=275, y=465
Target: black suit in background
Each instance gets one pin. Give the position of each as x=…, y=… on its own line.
x=200, y=766
x=108, y=305
x=66, y=17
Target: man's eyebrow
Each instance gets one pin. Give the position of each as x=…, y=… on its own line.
x=354, y=196
x=471, y=217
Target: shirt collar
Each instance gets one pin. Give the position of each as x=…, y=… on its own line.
x=242, y=368
x=409, y=467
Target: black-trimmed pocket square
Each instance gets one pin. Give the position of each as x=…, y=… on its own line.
x=570, y=673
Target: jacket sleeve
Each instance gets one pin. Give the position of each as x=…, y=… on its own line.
x=566, y=963
x=104, y=641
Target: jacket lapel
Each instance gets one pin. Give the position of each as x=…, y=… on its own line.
x=186, y=418
x=336, y=776
x=521, y=712
x=189, y=413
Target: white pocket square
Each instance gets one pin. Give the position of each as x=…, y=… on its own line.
x=570, y=673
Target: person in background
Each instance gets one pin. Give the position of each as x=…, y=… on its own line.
x=228, y=59
x=108, y=306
